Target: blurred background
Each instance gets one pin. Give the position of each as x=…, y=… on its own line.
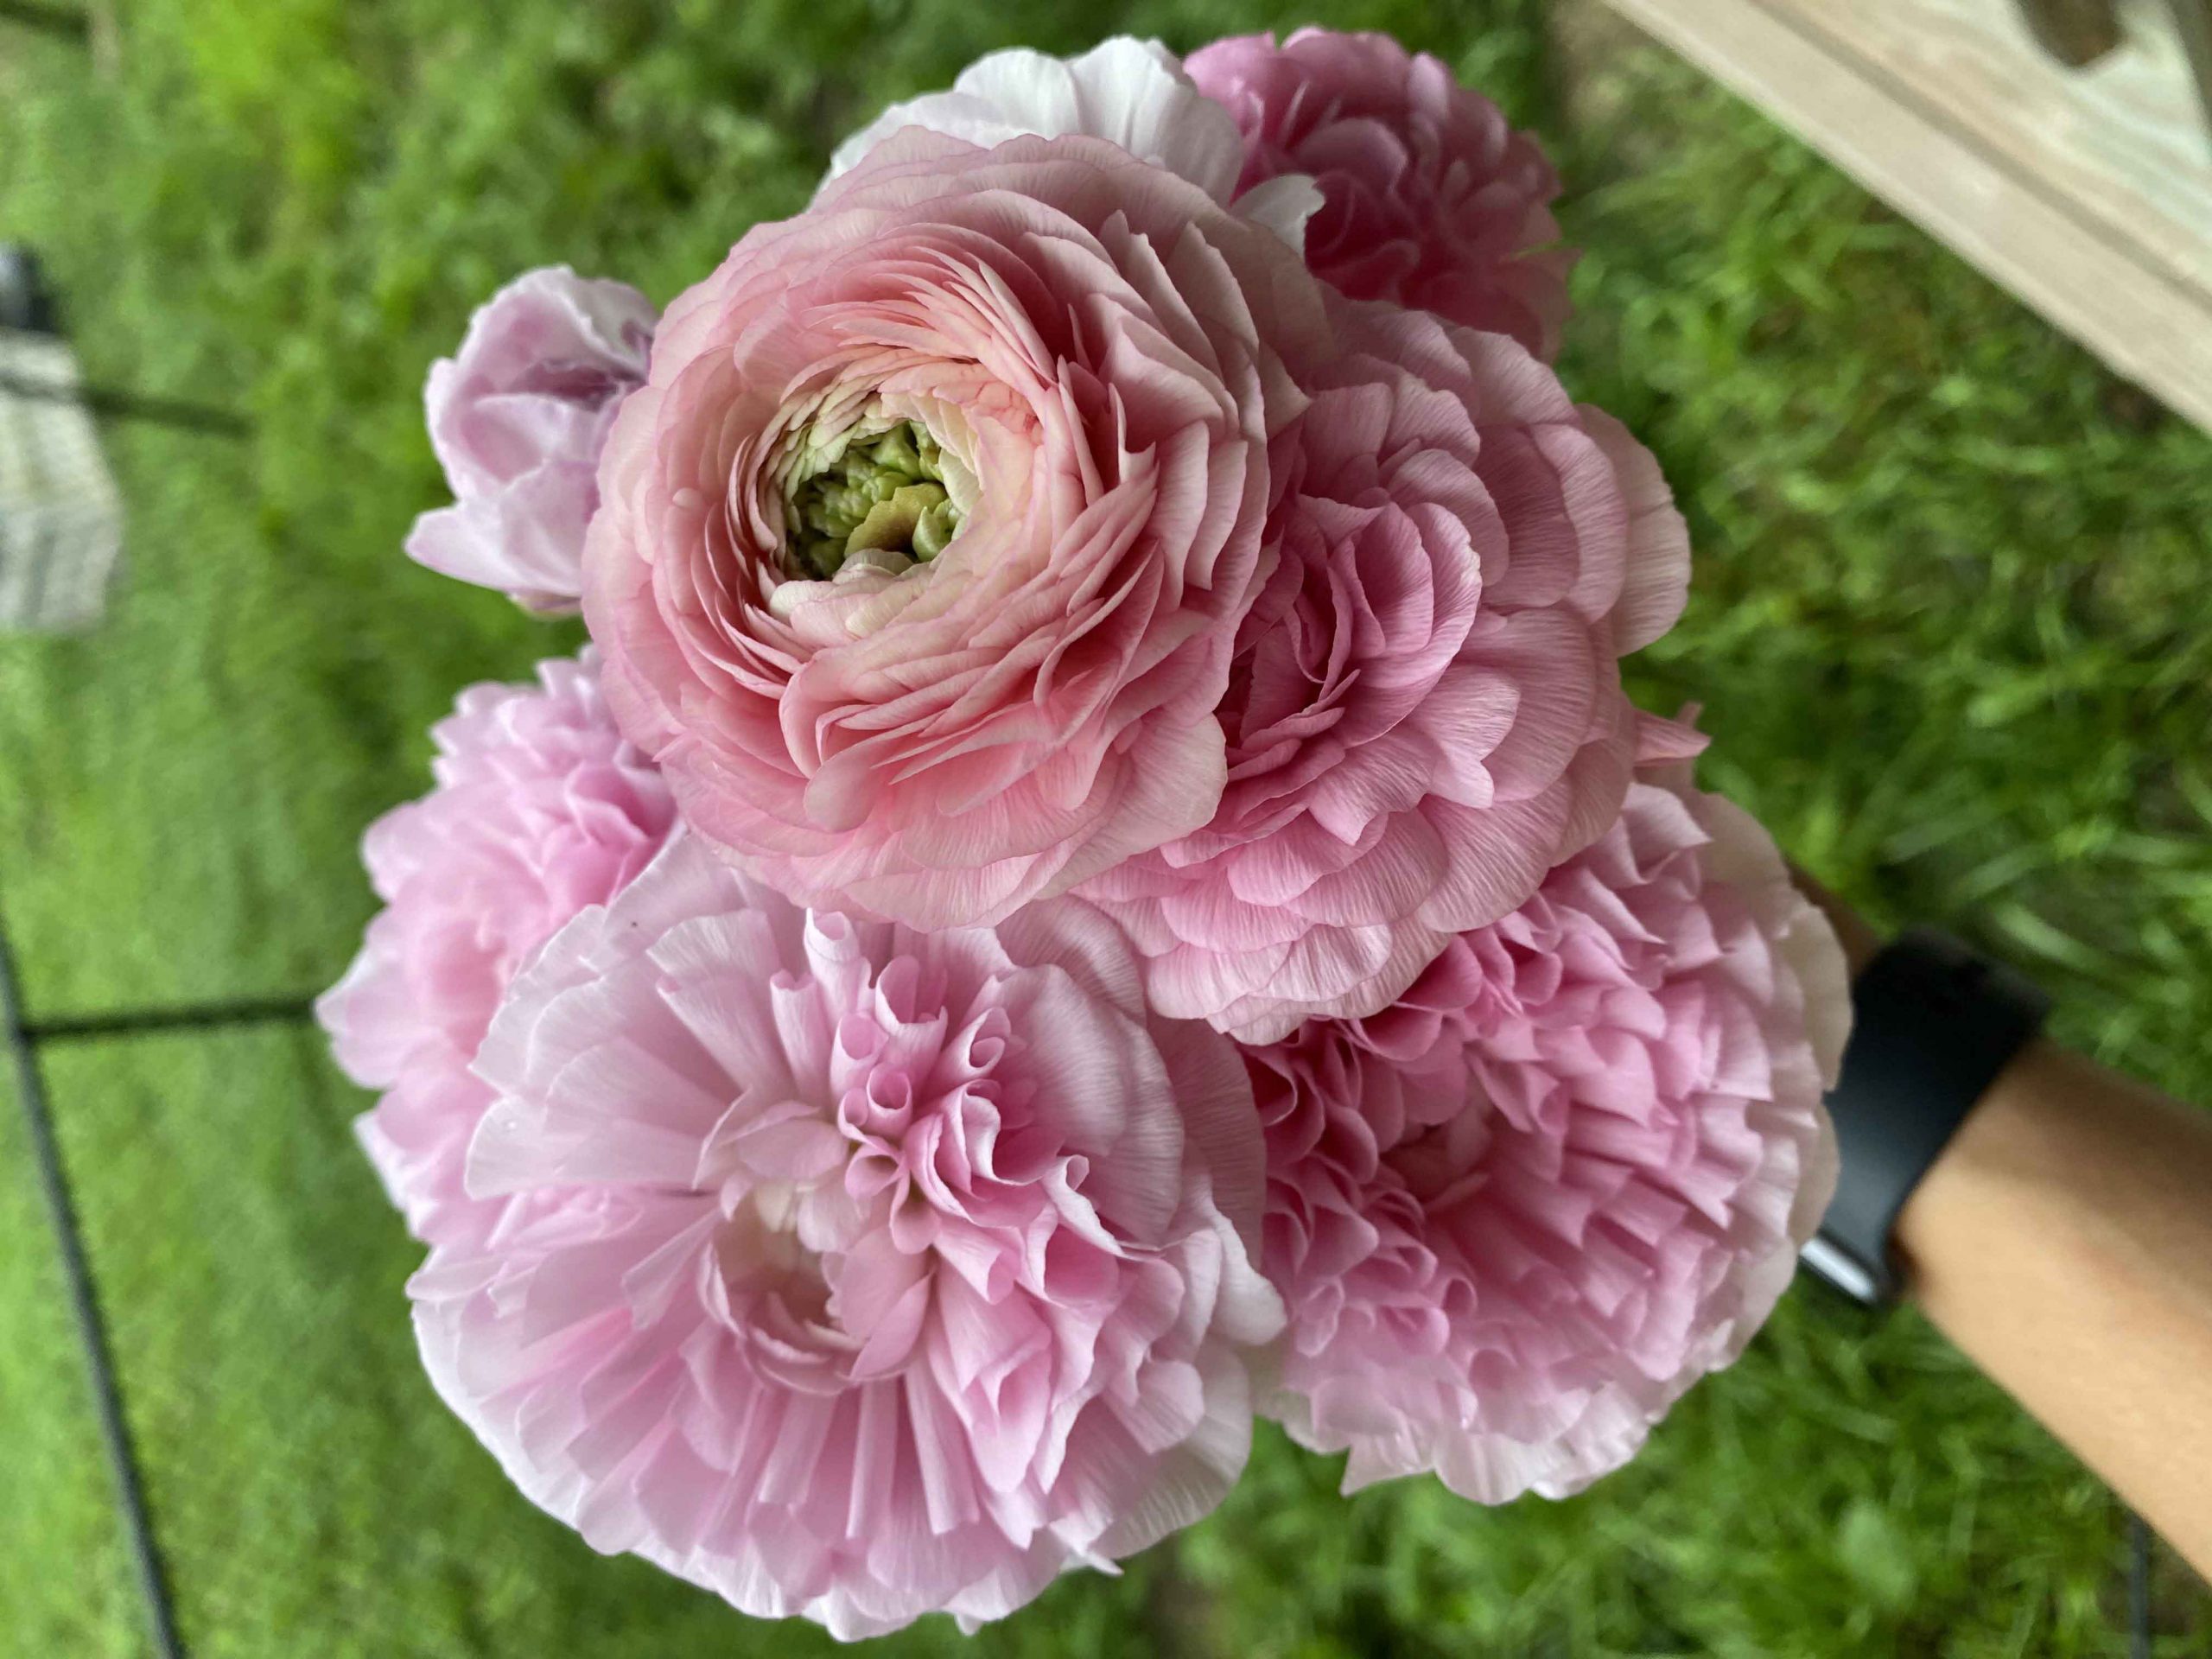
x=1948, y=626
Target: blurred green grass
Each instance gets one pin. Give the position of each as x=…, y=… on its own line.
x=1949, y=630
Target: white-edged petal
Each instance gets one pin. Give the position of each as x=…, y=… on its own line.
x=1130, y=92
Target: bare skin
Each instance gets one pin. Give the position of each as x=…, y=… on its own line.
x=2064, y=1240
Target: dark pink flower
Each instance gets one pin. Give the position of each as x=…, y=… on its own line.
x=1429, y=197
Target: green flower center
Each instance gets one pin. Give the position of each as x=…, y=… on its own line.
x=883, y=491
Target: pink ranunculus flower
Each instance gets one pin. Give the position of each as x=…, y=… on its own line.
x=925, y=548
x=517, y=420
x=1429, y=197
x=1425, y=711
x=854, y=1272
x=1518, y=1214
x=541, y=810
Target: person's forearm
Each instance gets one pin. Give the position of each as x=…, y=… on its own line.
x=2063, y=1240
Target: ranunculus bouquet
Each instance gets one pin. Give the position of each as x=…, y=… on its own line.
x=1097, y=877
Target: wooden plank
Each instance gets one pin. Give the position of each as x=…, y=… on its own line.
x=2123, y=141
x=2098, y=215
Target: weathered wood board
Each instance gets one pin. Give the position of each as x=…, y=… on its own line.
x=2088, y=192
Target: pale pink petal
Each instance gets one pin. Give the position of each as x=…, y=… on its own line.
x=1131, y=93
x=908, y=1317
x=517, y=420
x=1106, y=360
x=1425, y=712
x=541, y=810
x=1515, y=1215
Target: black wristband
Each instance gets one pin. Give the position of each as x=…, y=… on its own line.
x=1932, y=1025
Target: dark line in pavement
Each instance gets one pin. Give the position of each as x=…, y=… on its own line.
x=134, y=1022
x=84, y=1306
x=54, y=20
x=131, y=406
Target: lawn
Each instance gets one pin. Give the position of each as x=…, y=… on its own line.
x=1948, y=629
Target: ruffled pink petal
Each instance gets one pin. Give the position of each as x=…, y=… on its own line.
x=541, y=810
x=1424, y=713
x=1517, y=1213
x=1429, y=197
x=852, y=1272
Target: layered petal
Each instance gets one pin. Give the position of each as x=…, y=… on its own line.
x=541, y=810
x=1424, y=713
x=1515, y=1216
x=925, y=548
x=518, y=419
x=853, y=1272
x=1131, y=93
x=1429, y=197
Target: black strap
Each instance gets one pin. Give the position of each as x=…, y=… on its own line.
x=1933, y=1024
